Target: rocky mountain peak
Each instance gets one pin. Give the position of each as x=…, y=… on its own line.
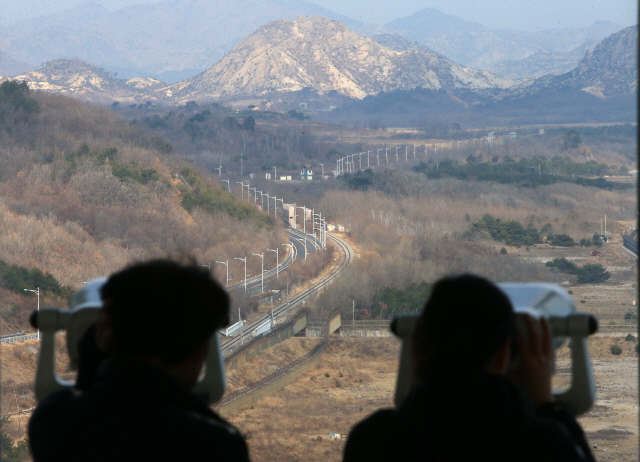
x=611, y=68
x=324, y=55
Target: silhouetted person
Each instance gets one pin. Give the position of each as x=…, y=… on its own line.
x=137, y=368
x=464, y=404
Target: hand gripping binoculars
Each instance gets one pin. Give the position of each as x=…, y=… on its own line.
x=539, y=300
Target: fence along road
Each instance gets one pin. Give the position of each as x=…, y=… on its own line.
x=297, y=300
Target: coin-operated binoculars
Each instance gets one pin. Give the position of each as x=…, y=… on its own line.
x=83, y=313
x=540, y=300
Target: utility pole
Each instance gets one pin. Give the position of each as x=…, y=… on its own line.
x=261, y=255
x=304, y=219
x=245, y=272
x=275, y=203
x=277, y=260
x=37, y=292
x=225, y=263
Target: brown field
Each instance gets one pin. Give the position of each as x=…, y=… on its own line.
x=361, y=379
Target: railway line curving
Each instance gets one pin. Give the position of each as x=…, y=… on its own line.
x=228, y=345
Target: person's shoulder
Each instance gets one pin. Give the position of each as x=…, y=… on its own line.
x=369, y=439
x=208, y=431
x=550, y=438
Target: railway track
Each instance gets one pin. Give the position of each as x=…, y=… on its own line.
x=230, y=344
x=254, y=283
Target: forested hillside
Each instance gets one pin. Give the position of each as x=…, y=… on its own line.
x=83, y=192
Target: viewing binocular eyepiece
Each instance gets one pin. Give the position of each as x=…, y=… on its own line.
x=540, y=300
x=85, y=306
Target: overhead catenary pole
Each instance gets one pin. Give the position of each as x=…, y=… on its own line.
x=277, y=260
x=245, y=272
x=225, y=263
x=228, y=185
x=261, y=255
x=37, y=292
x=322, y=165
x=304, y=219
x=275, y=173
x=242, y=188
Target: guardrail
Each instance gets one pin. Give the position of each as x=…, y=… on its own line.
x=365, y=324
x=19, y=338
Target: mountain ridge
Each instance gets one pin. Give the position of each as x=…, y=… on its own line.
x=472, y=44
x=326, y=55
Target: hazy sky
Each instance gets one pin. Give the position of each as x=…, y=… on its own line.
x=517, y=14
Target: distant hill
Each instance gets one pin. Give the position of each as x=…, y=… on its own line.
x=602, y=88
x=170, y=40
x=540, y=63
x=325, y=55
x=475, y=45
x=74, y=77
x=610, y=69
x=88, y=191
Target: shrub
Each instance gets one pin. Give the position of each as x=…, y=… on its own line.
x=630, y=338
x=616, y=350
x=563, y=265
x=511, y=232
x=327, y=375
x=630, y=315
x=561, y=240
x=592, y=273
x=503, y=251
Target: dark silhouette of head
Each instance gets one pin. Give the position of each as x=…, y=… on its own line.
x=464, y=323
x=163, y=309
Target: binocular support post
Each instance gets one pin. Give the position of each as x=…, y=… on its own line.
x=75, y=322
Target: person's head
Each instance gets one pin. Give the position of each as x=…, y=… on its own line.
x=466, y=325
x=161, y=311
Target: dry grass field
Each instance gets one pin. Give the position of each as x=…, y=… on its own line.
x=357, y=377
